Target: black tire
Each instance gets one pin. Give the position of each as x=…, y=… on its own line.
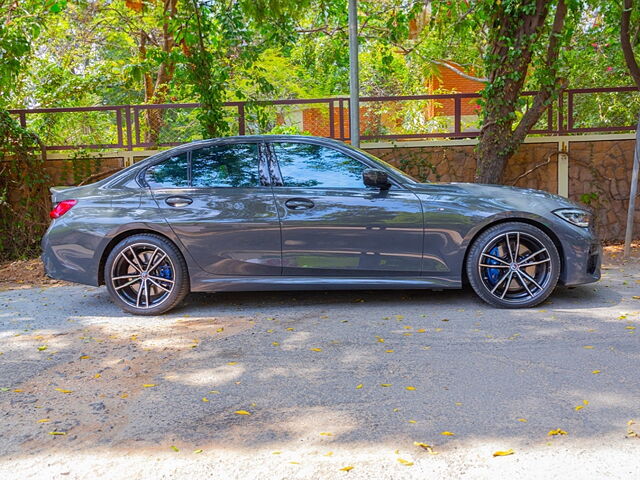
x=146, y=274
x=513, y=265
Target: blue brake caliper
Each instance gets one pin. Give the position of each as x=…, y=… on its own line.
x=165, y=272
x=493, y=273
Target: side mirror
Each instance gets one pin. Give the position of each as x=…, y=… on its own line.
x=376, y=178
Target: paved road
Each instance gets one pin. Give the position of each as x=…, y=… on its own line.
x=330, y=380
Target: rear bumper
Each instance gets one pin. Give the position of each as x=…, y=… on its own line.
x=67, y=261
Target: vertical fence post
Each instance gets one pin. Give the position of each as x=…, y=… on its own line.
x=341, y=117
x=561, y=112
x=23, y=120
x=119, y=127
x=127, y=121
x=569, y=111
x=457, y=112
x=241, y=121
x=332, y=129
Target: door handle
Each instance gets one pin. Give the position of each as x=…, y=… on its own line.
x=178, y=201
x=299, y=204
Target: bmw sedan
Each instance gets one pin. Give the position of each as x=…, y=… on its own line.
x=297, y=212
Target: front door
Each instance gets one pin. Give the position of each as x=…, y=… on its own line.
x=217, y=200
x=332, y=225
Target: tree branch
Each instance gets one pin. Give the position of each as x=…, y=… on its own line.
x=625, y=40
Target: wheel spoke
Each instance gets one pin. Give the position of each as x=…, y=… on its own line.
x=151, y=269
x=159, y=286
x=497, y=259
x=533, y=255
x=515, y=257
x=511, y=258
x=128, y=284
x=493, y=266
x=151, y=259
x=123, y=277
x=531, y=264
x=506, y=287
x=524, y=283
x=136, y=268
x=495, y=287
x=139, y=294
x=160, y=279
x=146, y=292
x=136, y=259
x=531, y=279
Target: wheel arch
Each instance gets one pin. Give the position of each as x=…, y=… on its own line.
x=129, y=233
x=550, y=233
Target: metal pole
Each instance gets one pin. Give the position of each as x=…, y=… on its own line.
x=633, y=191
x=354, y=83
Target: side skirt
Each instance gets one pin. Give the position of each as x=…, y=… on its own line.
x=229, y=284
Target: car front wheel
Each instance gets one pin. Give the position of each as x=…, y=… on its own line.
x=146, y=274
x=513, y=265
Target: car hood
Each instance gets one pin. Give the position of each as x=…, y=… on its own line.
x=501, y=198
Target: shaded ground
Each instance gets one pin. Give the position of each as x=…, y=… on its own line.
x=324, y=379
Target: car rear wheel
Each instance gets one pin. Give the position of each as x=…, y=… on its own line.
x=513, y=265
x=145, y=274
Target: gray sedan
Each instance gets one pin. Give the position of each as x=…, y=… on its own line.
x=297, y=212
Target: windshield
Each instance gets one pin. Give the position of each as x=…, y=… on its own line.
x=404, y=175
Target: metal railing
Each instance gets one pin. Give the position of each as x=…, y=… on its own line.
x=436, y=116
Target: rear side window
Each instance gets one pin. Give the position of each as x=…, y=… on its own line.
x=173, y=172
x=234, y=165
x=308, y=165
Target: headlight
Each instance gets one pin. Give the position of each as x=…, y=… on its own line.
x=581, y=218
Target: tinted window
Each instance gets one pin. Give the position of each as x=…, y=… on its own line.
x=306, y=165
x=225, y=166
x=173, y=172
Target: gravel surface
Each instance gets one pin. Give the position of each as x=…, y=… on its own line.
x=327, y=381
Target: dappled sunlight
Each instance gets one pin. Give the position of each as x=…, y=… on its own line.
x=208, y=377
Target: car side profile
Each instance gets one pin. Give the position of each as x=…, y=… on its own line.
x=297, y=213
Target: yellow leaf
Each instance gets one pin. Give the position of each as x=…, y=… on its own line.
x=424, y=445
x=294, y=463
x=579, y=407
x=198, y=451
x=523, y=420
x=85, y=357
x=276, y=453
x=410, y=388
x=124, y=395
x=275, y=344
x=458, y=404
x=412, y=421
x=214, y=391
x=328, y=454
x=219, y=330
x=44, y=420
x=19, y=390
x=315, y=349
x=503, y=453
x=232, y=363
x=290, y=329
x=174, y=448
x=346, y=469
x=405, y=462
x=62, y=390
x=149, y=385
x=421, y=330
x=97, y=375
x=630, y=327
x=270, y=330
x=636, y=297
x=399, y=317
x=133, y=338
x=42, y=348
x=57, y=433
x=385, y=384
x=381, y=340
x=438, y=329
x=242, y=412
x=408, y=334
x=595, y=372
x=326, y=434
x=205, y=399
x=388, y=351
x=447, y=434
x=359, y=386
x=588, y=347
x=586, y=402
x=557, y=431
x=408, y=327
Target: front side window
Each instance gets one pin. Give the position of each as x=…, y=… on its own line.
x=234, y=165
x=308, y=165
x=171, y=173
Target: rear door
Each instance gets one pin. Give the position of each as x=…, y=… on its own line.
x=333, y=225
x=218, y=201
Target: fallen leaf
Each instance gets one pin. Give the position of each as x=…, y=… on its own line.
x=503, y=453
x=97, y=375
x=586, y=402
x=346, y=469
x=425, y=446
x=358, y=387
x=62, y=390
x=221, y=329
x=405, y=462
x=44, y=420
x=149, y=385
x=557, y=431
x=205, y=399
x=523, y=420
x=232, y=363
x=214, y=391
x=381, y=340
x=421, y=330
x=198, y=451
x=326, y=434
x=315, y=349
x=447, y=434
x=630, y=432
x=412, y=421
x=579, y=407
x=42, y=348
x=630, y=327
x=388, y=351
x=242, y=412
x=595, y=372
x=174, y=448
x=85, y=357
x=276, y=453
x=385, y=384
x=57, y=433
x=275, y=344
x=19, y=390
x=328, y=454
x=410, y=388
x=588, y=347
x=124, y=395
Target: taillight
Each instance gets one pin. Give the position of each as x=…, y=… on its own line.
x=62, y=208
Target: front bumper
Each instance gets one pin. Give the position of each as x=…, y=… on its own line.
x=582, y=257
